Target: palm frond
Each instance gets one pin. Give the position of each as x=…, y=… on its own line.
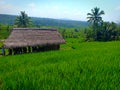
x=95, y=15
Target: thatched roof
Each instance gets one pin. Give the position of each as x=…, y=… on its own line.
x=21, y=37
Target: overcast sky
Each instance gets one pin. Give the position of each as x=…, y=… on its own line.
x=62, y=9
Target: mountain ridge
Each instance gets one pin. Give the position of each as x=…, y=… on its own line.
x=38, y=21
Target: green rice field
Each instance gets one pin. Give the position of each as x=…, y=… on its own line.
x=76, y=66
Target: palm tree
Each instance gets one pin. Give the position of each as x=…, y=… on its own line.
x=95, y=19
x=23, y=20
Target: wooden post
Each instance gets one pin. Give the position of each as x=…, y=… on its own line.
x=9, y=51
x=29, y=49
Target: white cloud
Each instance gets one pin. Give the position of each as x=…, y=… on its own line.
x=7, y=8
x=32, y=5
x=118, y=8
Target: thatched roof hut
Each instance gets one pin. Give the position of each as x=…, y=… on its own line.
x=23, y=37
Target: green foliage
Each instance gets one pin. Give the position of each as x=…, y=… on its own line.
x=108, y=32
x=71, y=32
x=23, y=20
x=5, y=31
x=105, y=32
x=78, y=66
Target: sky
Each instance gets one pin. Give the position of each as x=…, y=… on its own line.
x=62, y=9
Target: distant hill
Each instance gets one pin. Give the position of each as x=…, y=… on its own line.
x=9, y=19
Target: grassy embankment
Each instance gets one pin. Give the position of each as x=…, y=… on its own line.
x=85, y=66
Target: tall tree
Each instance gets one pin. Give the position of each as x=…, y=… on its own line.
x=95, y=19
x=23, y=20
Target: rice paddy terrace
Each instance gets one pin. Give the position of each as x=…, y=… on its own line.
x=77, y=66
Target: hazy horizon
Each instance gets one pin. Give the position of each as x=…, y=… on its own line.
x=63, y=9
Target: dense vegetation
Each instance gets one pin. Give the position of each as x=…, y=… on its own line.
x=5, y=31
x=78, y=66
